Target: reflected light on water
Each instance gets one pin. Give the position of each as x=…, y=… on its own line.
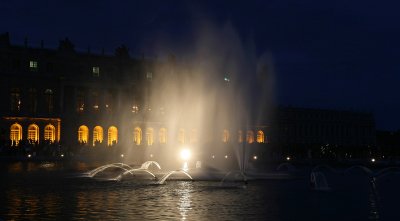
x=184, y=205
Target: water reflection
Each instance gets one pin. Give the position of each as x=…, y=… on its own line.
x=15, y=167
x=184, y=199
x=46, y=195
x=23, y=204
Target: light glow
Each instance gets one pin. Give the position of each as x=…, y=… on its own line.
x=185, y=154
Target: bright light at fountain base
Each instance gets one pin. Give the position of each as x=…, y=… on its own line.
x=185, y=167
x=185, y=154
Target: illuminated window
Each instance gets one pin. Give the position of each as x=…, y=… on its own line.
x=149, y=136
x=108, y=100
x=49, y=96
x=96, y=71
x=227, y=78
x=83, y=134
x=163, y=135
x=50, y=133
x=95, y=100
x=240, y=136
x=33, y=133
x=225, y=136
x=15, y=134
x=33, y=65
x=112, y=136
x=193, y=136
x=15, y=100
x=97, y=135
x=135, y=109
x=181, y=136
x=137, y=135
x=149, y=76
x=250, y=136
x=260, y=136
x=80, y=101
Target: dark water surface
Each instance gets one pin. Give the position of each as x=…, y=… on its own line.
x=33, y=191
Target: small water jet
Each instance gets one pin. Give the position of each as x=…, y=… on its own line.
x=143, y=168
x=166, y=176
x=289, y=167
x=237, y=176
x=97, y=170
x=318, y=181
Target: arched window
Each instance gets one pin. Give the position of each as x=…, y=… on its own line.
x=150, y=136
x=33, y=133
x=193, y=136
x=50, y=133
x=15, y=134
x=260, y=136
x=137, y=135
x=112, y=136
x=83, y=134
x=250, y=136
x=240, y=136
x=163, y=135
x=97, y=135
x=181, y=136
x=225, y=136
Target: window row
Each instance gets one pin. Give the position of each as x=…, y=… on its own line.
x=33, y=66
x=31, y=100
x=83, y=135
x=149, y=136
x=16, y=134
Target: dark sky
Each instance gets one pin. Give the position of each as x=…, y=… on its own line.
x=327, y=54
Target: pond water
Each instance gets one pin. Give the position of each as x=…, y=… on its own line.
x=32, y=191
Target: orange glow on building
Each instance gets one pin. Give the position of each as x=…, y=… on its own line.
x=137, y=135
x=250, y=136
x=112, y=136
x=240, y=136
x=50, y=133
x=150, y=136
x=163, y=135
x=260, y=136
x=97, y=135
x=83, y=134
x=15, y=134
x=225, y=136
x=33, y=133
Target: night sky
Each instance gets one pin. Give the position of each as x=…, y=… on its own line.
x=327, y=54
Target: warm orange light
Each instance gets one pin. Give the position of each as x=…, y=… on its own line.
x=112, y=136
x=50, y=133
x=260, y=136
x=83, y=134
x=137, y=136
x=150, y=136
x=97, y=135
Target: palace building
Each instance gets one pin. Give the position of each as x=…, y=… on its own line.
x=61, y=95
x=97, y=100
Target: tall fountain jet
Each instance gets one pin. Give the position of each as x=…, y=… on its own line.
x=203, y=101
